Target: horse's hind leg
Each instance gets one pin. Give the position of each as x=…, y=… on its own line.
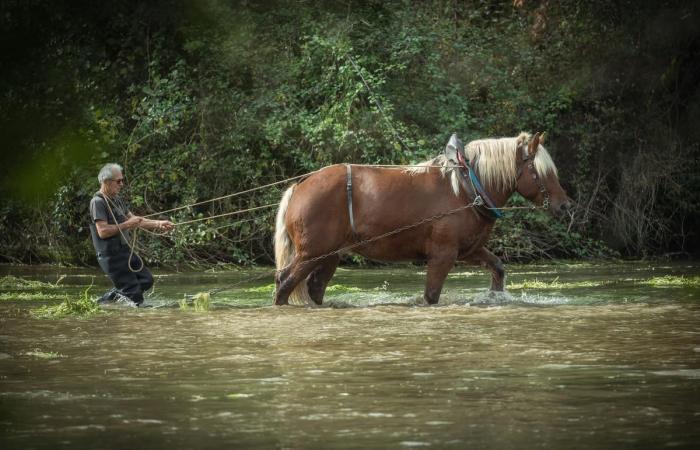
x=288, y=279
x=495, y=265
x=319, y=278
x=439, y=265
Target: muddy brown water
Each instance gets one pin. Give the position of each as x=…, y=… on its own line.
x=590, y=356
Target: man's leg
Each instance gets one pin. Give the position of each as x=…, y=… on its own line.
x=144, y=276
x=111, y=294
x=108, y=296
x=125, y=281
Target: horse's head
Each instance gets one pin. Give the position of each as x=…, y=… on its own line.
x=537, y=177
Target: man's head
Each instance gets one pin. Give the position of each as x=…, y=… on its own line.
x=111, y=179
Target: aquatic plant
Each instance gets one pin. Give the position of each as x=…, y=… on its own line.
x=38, y=353
x=12, y=282
x=31, y=296
x=556, y=284
x=266, y=289
x=199, y=302
x=332, y=289
x=341, y=289
x=672, y=280
x=80, y=307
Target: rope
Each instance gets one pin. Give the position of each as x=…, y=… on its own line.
x=232, y=213
x=287, y=180
x=131, y=246
x=230, y=195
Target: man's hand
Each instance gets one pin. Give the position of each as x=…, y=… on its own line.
x=165, y=225
x=132, y=222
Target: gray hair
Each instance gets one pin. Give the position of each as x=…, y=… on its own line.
x=107, y=171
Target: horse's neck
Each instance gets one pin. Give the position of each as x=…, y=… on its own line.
x=499, y=197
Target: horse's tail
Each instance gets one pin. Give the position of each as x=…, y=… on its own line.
x=284, y=249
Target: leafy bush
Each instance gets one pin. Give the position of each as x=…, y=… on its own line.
x=211, y=98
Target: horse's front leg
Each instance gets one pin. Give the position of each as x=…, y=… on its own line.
x=495, y=265
x=439, y=265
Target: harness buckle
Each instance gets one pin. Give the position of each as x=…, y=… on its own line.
x=478, y=201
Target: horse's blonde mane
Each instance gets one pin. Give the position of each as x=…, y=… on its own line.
x=446, y=168
x=495, y=162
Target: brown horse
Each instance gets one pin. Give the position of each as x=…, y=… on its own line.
x=314, y=217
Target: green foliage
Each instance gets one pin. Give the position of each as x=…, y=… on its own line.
x=204, y=99
x=525, y=235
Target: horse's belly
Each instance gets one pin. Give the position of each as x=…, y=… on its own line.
x=392, y=251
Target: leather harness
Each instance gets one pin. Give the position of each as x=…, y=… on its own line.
x=349, y=190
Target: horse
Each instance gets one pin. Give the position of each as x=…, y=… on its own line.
x=342, y=206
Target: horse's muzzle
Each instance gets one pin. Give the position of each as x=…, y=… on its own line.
x=563, y=208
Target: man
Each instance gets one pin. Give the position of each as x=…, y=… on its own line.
x=110, y=225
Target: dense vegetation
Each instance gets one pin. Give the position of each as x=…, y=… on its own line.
x=199, y=99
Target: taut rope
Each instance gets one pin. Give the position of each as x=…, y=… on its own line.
x=287, y=180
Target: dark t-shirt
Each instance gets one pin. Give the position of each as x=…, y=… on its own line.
x=100, y=210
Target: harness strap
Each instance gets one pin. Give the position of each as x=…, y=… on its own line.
x=482, y=201
x=349, y=190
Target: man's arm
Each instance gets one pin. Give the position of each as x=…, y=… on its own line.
x=156, y=225
x=106, y=230
x=153, y=225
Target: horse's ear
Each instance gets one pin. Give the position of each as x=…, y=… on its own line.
x=542, y=137
x=534, y=144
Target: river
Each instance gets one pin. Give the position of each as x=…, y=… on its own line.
x=587, y=355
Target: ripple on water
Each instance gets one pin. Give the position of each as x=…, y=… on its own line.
x=538, y=299
x=369, y=299
x=684, y=373
x=63, y=396
x=485, y=298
